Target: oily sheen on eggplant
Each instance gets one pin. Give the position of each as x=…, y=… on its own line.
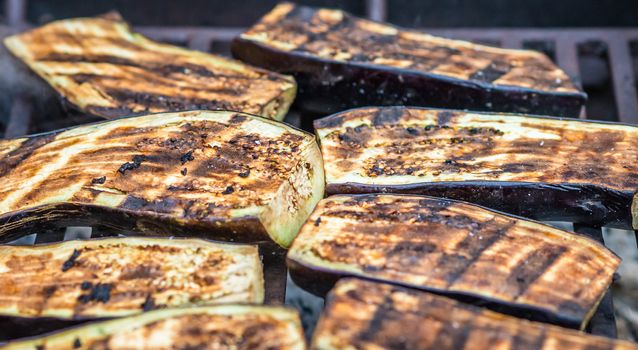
x=507, y=263
x=46, y=287
x=215, y=174
x=537, y=167
x=212, y=327
x=100, y=68
x=383, y=316
x=341, y=61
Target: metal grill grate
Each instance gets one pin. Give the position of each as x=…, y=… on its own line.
x=604, y=61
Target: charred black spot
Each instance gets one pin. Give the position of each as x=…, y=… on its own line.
x=184, y=171
x=328, y=122
x=134, y=164
x=238, y=119
x=77, y=343
x=149, y=303
x=187, y=157
x=99, y=180
x=318, y=221
x=412, y=131
x=388, y=116
x=244, y=173
x=70, y=262
x=492, y=72
x=100, y=292
x=444, y=117
x=48, y=291
x=133, y=203
x=228, y=190
x=86, y=285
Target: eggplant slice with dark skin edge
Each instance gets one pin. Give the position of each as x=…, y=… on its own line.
x=367, y=315
x=214, y=174
x=506, y=263
x=211, y=327
x=341, y=61
x=100, y=68
x=47, y=287
x=537, y=167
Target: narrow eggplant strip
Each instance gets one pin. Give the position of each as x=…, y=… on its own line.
x=212, y=327
x=383, y=316
x=538, y=167
x=341, y=61
x=100, y=68
x=51, y=285
x=214, y=174
x=506, y=263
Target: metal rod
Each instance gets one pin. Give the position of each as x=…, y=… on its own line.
x=16, y=12
x=623, y=78
x=376, y=10
x=20, y=117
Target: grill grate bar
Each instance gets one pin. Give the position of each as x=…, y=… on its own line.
x=623, y=78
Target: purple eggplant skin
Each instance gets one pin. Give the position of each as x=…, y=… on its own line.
x=320, y=281
x=19, y=224
x=327, y=87
x=585, y=204
x=12, y=328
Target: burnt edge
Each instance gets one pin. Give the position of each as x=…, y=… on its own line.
x=355, y=85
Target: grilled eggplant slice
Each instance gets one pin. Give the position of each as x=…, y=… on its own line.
x=100, y=68
x=211, y=327
x=507, y=263
x=46, y=287
x=216, y=174
x=341, y=61
x=537, y=167
x=382, y=316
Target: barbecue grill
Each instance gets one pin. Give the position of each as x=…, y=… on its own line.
x=604, y=61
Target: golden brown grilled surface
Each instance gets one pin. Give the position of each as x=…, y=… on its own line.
x=399, y=145
x=455, y=247
x=367, y=315
x=123, y=276
x=104, y=69
x=224, y=172
x=334, y=35
x=240, y=327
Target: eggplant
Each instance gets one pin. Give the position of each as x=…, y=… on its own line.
x=214, y=174
x=538, y=167
x=211, y=327
x=341, y=61
x=383, y=316
x=506, y=263
x=49, y=286
x=101, y=69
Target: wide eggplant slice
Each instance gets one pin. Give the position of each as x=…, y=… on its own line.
x=368, y=315
x=212, y=327
x=341, y=61
x=537, y=167
x=216, y=174
x=99, y=67
x=507, y=263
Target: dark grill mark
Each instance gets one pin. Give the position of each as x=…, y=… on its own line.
x=228, y=190
x=492, y=72
x=77, y=343
x=69, y=263
x=376, y=323
x=187, y=157
x=388, y=116
x=86, y=285
x=24, y=151
x=318, y=221
x=534, y=266
x=149, y=303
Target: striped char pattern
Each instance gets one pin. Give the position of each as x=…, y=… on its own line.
x=457, y=248
x=399, y=146
x=233, y=326
x=365, y=315
x=337, y=36
x=194, y=167
x=102, y=68
x=123, y=276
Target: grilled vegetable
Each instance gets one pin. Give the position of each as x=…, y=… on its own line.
x=510, y=264
x=221, y=175
x=381, y=316
x=103, y=278
x=341, y=61
x=100, y=68
x=537, y=167
x=212, y=327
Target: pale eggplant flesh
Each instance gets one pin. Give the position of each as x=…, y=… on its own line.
x=214, y=174
x=368, y=315
x=209, y=327
x=506, y=263
x=538, y=167
x=341, y=61
x=46, y=287
x=100, y=68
